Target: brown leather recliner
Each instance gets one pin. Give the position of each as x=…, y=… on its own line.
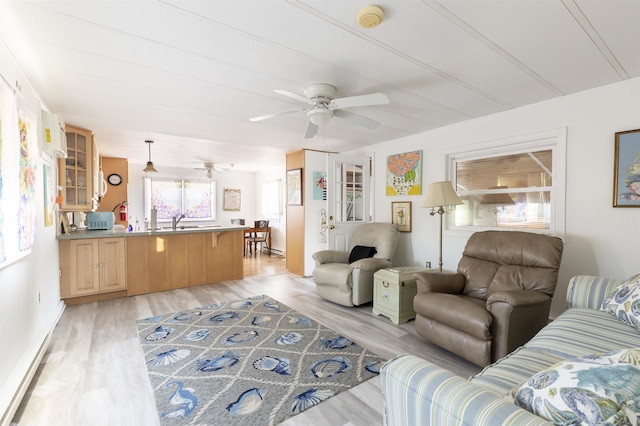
x=498, y=300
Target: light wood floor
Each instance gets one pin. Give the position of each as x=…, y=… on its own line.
x=94, y=373
x=263, y=264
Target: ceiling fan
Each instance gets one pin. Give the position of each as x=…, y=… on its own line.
x=323, y=107
x=211, y=167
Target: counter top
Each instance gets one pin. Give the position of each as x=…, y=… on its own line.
x=111, y=233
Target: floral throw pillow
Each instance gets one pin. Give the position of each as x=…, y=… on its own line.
x=600, y=389
x=625, y=302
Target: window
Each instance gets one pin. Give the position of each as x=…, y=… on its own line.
x=172, y=197
x=349, y=190
x=271, y=206
x=513, y=184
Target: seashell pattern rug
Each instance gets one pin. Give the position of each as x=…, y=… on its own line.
x=249, y=362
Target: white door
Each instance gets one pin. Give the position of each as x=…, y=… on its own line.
x=348, y=179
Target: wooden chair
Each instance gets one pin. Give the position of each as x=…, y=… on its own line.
x=259, y=234
x=246, y=235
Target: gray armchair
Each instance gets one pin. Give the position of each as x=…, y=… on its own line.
x=498, y=300
x=351, y=284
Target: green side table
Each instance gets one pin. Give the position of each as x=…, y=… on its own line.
x=393, y=293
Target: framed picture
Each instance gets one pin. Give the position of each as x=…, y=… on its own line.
x=320, y=185
x=626, y=169
x=231, y=201
x=401, y=215
x=294, y=187
x=404, y=173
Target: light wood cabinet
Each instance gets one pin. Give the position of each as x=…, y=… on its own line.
x=76, y=172
x=180, y=259
x=92, y=266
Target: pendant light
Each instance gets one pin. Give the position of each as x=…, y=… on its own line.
x=149, y=167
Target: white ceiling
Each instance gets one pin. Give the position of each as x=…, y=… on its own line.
x=190, y=74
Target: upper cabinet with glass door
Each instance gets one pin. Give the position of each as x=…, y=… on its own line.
x=76, y=171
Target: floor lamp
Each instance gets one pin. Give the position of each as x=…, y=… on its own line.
x=441, y=198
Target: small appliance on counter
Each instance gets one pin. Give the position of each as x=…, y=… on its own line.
x=100, y=221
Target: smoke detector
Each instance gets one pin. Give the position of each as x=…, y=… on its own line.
x=370, y=16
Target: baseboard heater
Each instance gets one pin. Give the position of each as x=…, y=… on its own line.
x=7, y=416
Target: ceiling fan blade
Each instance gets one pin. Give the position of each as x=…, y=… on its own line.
x=295, y=96
x=222, y=167
x=275, y=114
x=356, y=118
x=311, y=131
x=362, y=100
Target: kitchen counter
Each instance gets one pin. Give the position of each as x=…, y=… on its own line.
x=98, y=265
x=112, y=233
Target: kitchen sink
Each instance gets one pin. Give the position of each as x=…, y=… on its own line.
x=197, y=227
x=188, y=227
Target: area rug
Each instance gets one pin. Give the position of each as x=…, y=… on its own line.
x=249, y=362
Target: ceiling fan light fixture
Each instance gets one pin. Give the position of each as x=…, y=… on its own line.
x=149, y=167
x=370, y=16
x=322, y=106
x=320, y=116
x=214, y=167
x=209, y=168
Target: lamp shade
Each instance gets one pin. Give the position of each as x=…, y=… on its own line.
x=150, y=168
x=441, y=194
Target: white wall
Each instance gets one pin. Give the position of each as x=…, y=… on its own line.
x=29, y=288
x=600, y=239
x=279, y=225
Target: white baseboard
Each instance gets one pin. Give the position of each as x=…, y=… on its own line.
x=29, y=373
x=277, y=251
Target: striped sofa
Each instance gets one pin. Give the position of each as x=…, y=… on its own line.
x=417, y=392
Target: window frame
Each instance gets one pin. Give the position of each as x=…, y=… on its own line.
x=148, y=181
x=554, y=140
x=271, y=194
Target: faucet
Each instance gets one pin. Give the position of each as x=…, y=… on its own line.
x=176, y=219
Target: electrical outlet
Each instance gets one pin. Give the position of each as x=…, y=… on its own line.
x=38, y=296
x=427, y=264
